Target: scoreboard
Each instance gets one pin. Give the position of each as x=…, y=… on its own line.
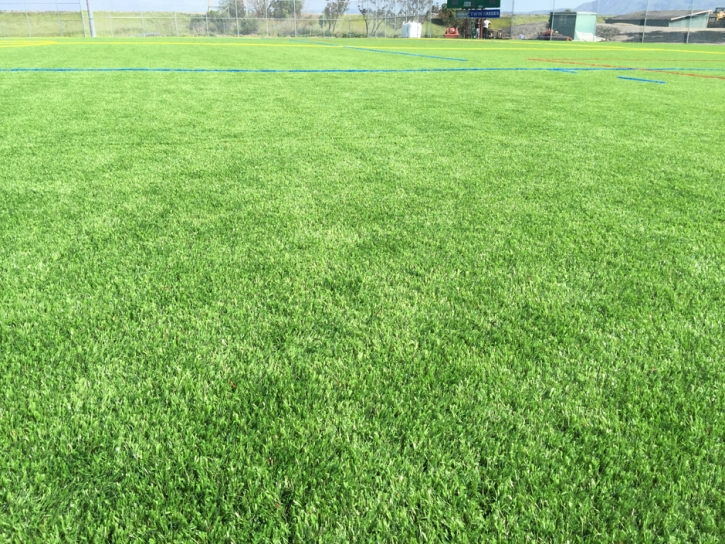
x=473, y=4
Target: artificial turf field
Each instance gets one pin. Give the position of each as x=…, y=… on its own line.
x=362, y=306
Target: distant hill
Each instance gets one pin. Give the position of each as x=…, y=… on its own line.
x=620, y=7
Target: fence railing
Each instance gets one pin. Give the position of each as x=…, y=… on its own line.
x=190, y=24
x=68, y=18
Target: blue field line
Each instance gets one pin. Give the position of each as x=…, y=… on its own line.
x=644, y=80
x=382, y=51
x=342, y=70
x=316, y=43
x=402, y=53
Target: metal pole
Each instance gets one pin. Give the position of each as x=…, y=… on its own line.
x=689, y=25
x=236, y=14
x=553, y=18
x=644, y=28
x=266, y=15
x=511, y=27
x=27, y=20
x=294, y=10
x=60, y=23
x=595, y=20
x=83, y=22
x=91, y=24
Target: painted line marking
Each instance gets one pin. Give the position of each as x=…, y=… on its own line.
x=643, y=80
x=643, y=60
x=151, y=41
x=346, y=70
x=385, y=52
x=402, y=53
x=674, y=71
x=551, y=46
x=298, y=70
x=14, y=44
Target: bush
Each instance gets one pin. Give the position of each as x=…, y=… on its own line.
x=248, y=26
x=222, y=26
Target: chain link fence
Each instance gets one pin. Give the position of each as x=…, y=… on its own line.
x=638, y=21
x=117, y=25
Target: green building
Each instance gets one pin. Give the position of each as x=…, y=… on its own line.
x=577, y=25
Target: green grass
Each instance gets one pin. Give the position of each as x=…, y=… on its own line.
x=480, y=306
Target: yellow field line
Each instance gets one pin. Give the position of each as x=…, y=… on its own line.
x=339, y=46
x=490, y=48
x=299, y=45
x=8, y=45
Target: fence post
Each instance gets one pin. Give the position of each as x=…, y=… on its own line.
x=60, y=23
x=91, y=24
x=553, y=21
x=83, y=21
x=27, y=20
x=689, y=24
x=236, y=14
x=644, y=28
x=294, y=11
x=511, y=26
x=596, y=19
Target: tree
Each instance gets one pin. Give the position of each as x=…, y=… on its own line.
x=364, y=12
x=233, y=8
x=375, y=12
x=282, y=9
x=415, y=9
x=260, y=8
x=333, y=11
x=228, y=20
x=446, y=16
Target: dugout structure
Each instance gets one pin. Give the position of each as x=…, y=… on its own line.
x=577, y=25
